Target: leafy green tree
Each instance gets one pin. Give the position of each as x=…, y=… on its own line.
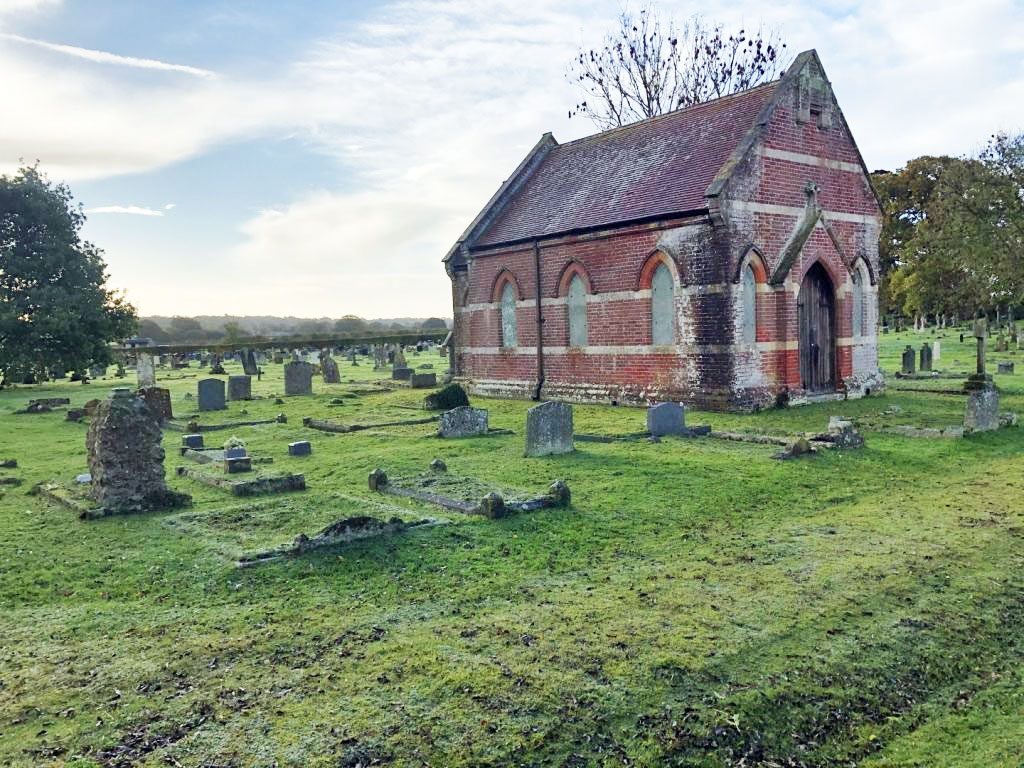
x=185, y=329
x=350, y=324
x=234, y=333
x=151, y=329
x=56, y=311
x=433, y=323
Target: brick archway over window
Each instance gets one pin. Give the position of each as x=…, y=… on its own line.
x=573, y=269
x=503, y=278
x=654, y=261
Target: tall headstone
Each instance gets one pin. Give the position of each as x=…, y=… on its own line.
x=399, y=359
x=329, y=367
x=926, y=357
x=982, y=411
x=146, y=369
x=216, y=364
x=909, y=359
x=666, y=419
x=211, y=395
x=239, y=387
x=159, y=401
x=936, y=351
x=298, y=378
x=249, y=365
x=980, y=336
x=126, y=457
x=549, y=429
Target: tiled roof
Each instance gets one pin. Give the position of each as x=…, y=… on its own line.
x=655, y=167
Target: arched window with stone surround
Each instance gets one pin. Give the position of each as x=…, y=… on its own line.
x=857, y=325
x=663, y=326
x=748, y=296
x=508, y=316
x=577, y=306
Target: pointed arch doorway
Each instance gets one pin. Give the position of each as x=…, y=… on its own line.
x=817, y=318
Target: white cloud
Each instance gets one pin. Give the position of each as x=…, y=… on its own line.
x=170, y=206
x=427, y=106
x=105, y=57
x=134, y=210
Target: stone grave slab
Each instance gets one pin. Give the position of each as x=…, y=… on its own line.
x=463, y=422
x=240, y=387
x=666, y=419
x=423, y=380
x=298, y=378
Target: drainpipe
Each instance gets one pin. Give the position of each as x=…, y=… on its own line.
x=540, y=322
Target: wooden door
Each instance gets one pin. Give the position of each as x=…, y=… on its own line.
x=817, y=317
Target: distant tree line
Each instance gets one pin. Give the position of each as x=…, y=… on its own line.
x=953, y=234
x=185, y=330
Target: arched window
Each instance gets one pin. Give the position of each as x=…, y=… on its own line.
x=663, y=326
x=858, y=303
x=748, y=296
x=508, y=316
x=577, y=312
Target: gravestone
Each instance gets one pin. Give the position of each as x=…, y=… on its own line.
x=1005, y=367
x=843, y=433
x=159, y=402
x=399, y=359
x=463, y=422
x=145, y=369
x=216, y=364
x=239, y=388
x=926, y=357
x=97, y=372
x=549, y=429
x=211, y=395
x=249, y=365
x=300, y=448
x=936, y=351
x=192, y=441
x=401, y=373
x=909, y=359
x=278, y=358
x=126, y=458
x=330, y=370
x=982, y=410
x=666, y=419
x=423, y=380
x=298, y=378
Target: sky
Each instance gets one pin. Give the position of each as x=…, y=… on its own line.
x=316, y=158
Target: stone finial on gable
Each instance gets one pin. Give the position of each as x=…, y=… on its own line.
x=813, y=97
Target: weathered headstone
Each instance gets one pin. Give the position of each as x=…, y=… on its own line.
x=239, y=388
x=379, y=357
x=909, y=359
x=666, y=419
x=192, y=441
x=843, y=433
x=549, y=429
x=145, y=369
x=298, y=378
x=211, y=395
x=936, y=351
x=401, y=373
x=982, y=410
x=423, y=380
x=159, y=401
x=126, y=458
x=463, y=422
x=249, y=365
x=330, y=370
x=399, y=359
x=1005, y=367
x=926, y=357
x=980, y=335
x=216, y=364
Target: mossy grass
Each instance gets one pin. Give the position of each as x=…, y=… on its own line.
x=699, y=604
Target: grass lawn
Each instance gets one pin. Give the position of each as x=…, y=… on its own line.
x=699, y=605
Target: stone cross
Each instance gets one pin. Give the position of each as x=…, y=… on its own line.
x=981, y=333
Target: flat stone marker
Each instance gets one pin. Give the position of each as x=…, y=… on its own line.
x=423, y=380
x=192, y=441
x=298, y=378
x=463, y=422
x=401, y=373
x=236, y=464
x=666, y=419
x=145, y=369
x=549, y=429
x=300, y=448
x=240, y=387
x=982, y=410
x=159, y=401
x=211, y=395
x=1004, y=367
